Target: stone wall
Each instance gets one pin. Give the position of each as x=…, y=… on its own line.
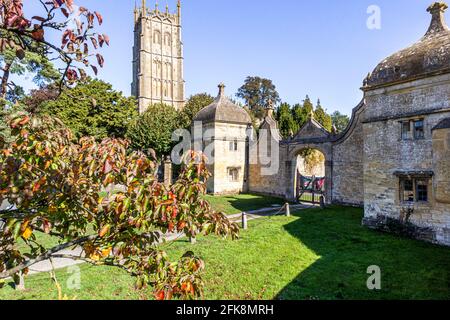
x=385, y=152
x=347, y=178
x=261, y=179
x=225, y=159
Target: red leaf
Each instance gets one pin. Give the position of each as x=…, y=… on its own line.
x=99, y=17
x=38, y=18
x=94, y=42
x=100, y=60
x=95, y=69
x=101, y=40
x=38, y=34
x=65, y=13
x=106, y=38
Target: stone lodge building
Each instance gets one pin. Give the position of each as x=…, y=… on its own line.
x=393, y=158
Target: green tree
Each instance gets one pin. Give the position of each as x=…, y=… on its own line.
x=38, y=66
x=257, y=92
x=286, y=122
x=308, y=106
x=153, y=129
x=194, y=104
x=340, y=121
x=321, y=116
x=300, y=116
x=93, y=108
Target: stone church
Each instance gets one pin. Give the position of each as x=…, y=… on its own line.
x=393, y=159
x=158, y=57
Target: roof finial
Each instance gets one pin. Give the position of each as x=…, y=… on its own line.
x=221, y=89
x=270, y=109
x=438, y=24
x=312, y=114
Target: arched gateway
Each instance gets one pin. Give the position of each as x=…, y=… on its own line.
x=342, y=168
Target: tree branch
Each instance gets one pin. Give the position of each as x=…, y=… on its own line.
x=45, y=256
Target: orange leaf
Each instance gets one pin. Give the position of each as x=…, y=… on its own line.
x=106, y=252
x=27, y=233
x=104, y=231
x=159, y=295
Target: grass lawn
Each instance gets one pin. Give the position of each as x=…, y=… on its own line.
x=314, y=254
x=241, y=203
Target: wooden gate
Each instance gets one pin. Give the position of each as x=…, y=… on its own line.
x=310, y=189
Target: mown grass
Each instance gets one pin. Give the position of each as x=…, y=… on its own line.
x=314, y=254
x=241, y=203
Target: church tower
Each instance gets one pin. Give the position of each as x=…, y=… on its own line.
x=157, y=57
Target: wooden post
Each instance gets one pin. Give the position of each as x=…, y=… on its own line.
x=168, y=172
x=322, y=202
x=244, y=221
x=288, y=210
x=20, y=282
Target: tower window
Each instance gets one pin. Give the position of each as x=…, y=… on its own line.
x=157, y=37
x=167, y=39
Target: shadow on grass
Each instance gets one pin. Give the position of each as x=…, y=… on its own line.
x=243, y=202
x=409, y=269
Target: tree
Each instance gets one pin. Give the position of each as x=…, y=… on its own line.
x=321, y=116
x=22, y=35
x=257, y=93
x=37, y=97
x=92, y=108
x=300, y=116
x=55, y=186
x=39, y=66
x=194, y=104
x=153, y=129
x=340, y=121
x=307, y=105
x=286, y=123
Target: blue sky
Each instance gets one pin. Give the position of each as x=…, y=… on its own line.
x=322, y=48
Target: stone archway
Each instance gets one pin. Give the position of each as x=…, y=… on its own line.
x=292, y=174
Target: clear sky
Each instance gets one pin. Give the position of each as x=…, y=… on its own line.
x=322, y=48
